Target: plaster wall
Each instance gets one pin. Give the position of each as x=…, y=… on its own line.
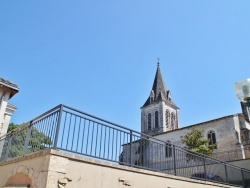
x=34, y=165
x=3, y=106
x=53, y=169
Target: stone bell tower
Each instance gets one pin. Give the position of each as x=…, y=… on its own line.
x=159, y=113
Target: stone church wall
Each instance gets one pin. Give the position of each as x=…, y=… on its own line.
x=227, y=131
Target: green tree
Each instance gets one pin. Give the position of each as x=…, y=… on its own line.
x=12, y=126
x=195, y=142
x=37, y=141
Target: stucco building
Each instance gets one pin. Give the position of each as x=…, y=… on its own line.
x=7, y=91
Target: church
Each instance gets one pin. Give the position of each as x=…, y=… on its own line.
x=160, y=119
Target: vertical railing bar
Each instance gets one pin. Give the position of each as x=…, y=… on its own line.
x=124, y=157
x=79, y=125
x=112, y=144
x=73, y=136
x=86, y=151
x=227, y=180
x=243, y=178
x=53, y=116
x=68, y=131
x=54, y=127
x=116, y=148
x=204, y=165
x=104, y=143
x=64, y=125
x=47, y=128
x=130, y=148
x=36, y=146
x=128, y=154
x=108, y=141
x=8, y=147
x=58, y=127
x=174, y=159
x=51, y=126
x=27, y=139
x=83, y=136
x=92, y=138
x=96, y=140
x=147, y=157
x=100, y=142
x=120, y=146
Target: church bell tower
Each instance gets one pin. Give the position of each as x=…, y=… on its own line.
x=159, y=113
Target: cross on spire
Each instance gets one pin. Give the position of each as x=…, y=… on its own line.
x=158, y=63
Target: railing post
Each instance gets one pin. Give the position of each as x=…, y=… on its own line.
x=58, y=126
x=27, y=139
x=204, y=165
x=130, y=148
x=243, y=179
x=174, y=159
x=8, y=147
x=226, y=172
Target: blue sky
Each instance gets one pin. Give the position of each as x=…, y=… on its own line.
x=101, y=56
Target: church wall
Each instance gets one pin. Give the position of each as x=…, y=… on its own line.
x=226, y=129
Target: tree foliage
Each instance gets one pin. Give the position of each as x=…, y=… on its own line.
x=37, y=141
x=195, y=142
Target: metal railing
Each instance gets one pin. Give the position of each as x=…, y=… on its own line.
x=67, y=129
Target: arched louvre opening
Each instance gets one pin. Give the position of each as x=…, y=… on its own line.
x=156, y=119
x=167, y=114
x=149, y=121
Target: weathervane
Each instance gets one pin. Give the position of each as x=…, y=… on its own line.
x=158, y=63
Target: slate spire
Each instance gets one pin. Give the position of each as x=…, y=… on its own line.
x=159, y=90
x=159, y=86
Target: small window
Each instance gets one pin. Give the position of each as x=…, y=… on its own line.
x=167, y=118
x=156, y=119
x=149, y=121
x=211, y=137
x=168, y=149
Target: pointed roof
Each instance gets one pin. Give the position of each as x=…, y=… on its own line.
x=159, y=86
x=161, y=93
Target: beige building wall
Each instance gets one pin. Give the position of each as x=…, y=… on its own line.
x=7, y=91
x=53, y=169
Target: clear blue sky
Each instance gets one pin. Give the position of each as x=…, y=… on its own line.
x=101, y=56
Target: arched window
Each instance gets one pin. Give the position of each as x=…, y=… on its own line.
x=149, y=121
x=211, y=137
x=168, y=149
x=156, y=119
x=172, y=121
x=167, y=118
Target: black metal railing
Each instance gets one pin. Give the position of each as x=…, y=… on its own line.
x=68, y=129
